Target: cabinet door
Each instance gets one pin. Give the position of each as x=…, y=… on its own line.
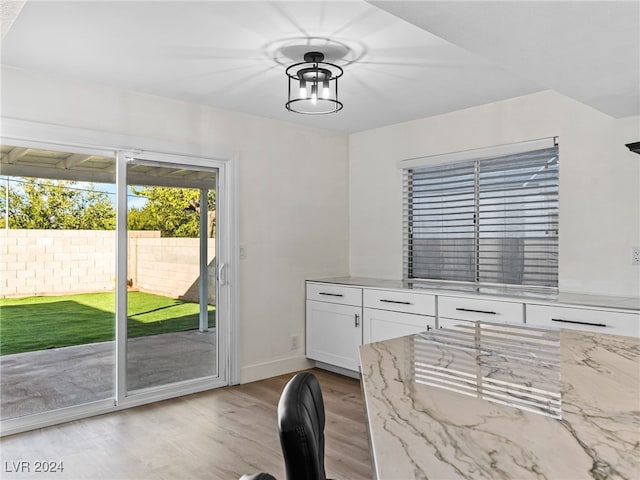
x=334, y=333
x=382, y=325
x=450, y=322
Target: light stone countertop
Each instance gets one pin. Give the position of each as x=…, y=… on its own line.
x=528, y=295
x=489, y=401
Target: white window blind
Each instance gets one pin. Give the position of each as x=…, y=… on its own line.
x=490, y=221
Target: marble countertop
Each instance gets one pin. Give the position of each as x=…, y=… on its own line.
x=530, y=295
x=489, y=401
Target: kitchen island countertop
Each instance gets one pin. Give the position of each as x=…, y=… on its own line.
x=503, y=401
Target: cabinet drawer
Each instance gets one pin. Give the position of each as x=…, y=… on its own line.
x=461, y=308
x=601, y=321
x=407, y=302
x=326, y=292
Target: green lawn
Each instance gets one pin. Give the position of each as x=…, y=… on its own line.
x=38, y=323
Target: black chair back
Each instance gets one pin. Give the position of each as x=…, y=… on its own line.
x=301, y=426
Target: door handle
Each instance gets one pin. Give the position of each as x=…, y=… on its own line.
x=222, y=274
x=357, y=320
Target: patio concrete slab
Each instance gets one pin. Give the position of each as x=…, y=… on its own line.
x=35, y=382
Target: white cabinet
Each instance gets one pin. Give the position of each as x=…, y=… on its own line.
x=341, y=317
x=334, y=324
x=334, y=333
x=391, y=314
x=381, y=325
x=601, y=321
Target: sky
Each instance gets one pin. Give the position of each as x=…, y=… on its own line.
x=133, y=201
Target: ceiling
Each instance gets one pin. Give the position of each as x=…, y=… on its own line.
x=402, y=60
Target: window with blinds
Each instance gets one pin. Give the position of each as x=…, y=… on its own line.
x=492, y=220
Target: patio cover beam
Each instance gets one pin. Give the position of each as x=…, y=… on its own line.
x=16, y=154
x=73, y=160
x=99, y=176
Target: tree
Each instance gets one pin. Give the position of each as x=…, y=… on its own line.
x=173, y=211
x=36, y=203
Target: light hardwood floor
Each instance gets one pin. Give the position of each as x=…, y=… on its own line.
x=220, y=434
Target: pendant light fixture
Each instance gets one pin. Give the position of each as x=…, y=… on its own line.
x=313, y=86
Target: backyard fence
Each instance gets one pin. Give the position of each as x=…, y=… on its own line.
x=62, y=262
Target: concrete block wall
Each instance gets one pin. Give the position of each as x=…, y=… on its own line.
x=169, y=266
x=62, y=262
x=56, y=262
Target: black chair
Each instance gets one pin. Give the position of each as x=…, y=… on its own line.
x=301, y=425
x=301, y=428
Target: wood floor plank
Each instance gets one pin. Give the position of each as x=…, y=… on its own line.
x=220, y=434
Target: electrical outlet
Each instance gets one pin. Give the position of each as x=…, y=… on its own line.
x=295, y=342
x=243, y=251
x=635, y=255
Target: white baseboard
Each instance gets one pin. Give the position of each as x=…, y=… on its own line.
x=259, y=371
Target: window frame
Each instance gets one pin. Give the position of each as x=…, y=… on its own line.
x=542, y=272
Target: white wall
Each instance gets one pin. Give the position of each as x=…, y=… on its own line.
x=599, y=184
x=293, y=195
x=294, y=217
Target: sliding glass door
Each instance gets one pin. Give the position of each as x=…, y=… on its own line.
x=115, y=286
x=172, y=333
x=57, y=302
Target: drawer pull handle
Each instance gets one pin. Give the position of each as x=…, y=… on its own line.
x=396, y=301
x=579, y=323
x=331, y=294
x=476, y=311
x=357, y=320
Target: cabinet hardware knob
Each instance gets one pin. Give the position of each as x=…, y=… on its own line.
x=331, y=294
x=476, y=311
x=357, y=320
x=579, y=323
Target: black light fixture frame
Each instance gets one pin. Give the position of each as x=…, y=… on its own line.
x=634, y=147
x=314, y=72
